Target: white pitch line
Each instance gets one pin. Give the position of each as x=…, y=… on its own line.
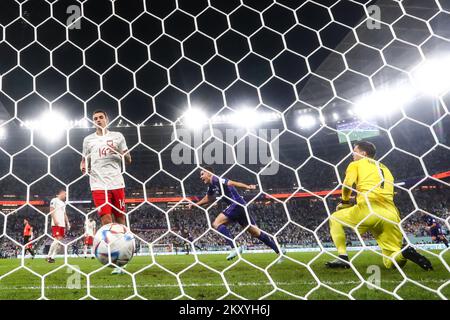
x=240, y=284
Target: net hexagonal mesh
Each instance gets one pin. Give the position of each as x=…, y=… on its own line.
x=268, y=93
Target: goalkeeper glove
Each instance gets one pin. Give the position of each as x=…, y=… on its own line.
x=344, y=204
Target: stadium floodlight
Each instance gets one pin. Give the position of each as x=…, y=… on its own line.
x=335, y=116
x=253, y=118
x=2, y=133
x=82, y=123
x=195, y=119
x=51, y=125
x=269, y=116
x=432, y=76
x=247, y=118
x=306, y=121
x=384, y=102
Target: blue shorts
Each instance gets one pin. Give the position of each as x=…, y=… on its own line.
x=435, y=232
x=236, y=213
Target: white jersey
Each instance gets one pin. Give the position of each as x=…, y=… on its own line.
x=106, y=165
x=58, y=210
x=89, y=228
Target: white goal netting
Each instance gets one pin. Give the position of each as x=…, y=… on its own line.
x=267, y=92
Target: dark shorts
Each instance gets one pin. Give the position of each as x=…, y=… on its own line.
x=26, y=240
x=435, y=232
x=237, y=214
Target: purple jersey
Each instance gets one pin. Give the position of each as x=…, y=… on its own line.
x=230, y=192
x=431, y=221
x=436, y=230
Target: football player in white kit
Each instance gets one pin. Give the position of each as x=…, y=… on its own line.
x=103, y=153
x=60, y=223
x=90, y=228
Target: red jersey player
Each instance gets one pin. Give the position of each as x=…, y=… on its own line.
x=27, y=237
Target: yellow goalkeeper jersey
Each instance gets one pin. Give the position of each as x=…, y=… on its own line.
x=368, y=175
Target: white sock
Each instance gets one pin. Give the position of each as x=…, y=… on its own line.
x=51, y=252
x=55, y=249
x=85, y=251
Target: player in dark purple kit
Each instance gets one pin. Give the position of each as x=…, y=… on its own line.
x=435, y=229
x=235, y=211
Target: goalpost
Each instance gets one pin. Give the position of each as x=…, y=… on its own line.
x=161, y=248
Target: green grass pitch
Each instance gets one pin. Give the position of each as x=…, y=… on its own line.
x=199, y=282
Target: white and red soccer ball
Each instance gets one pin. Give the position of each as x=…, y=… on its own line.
x=114, y=241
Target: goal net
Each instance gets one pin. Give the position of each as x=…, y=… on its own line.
x=269, y=93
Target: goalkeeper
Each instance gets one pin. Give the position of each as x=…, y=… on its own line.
x=382, y=219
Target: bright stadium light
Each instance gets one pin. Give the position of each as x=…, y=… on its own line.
x=383, y=102
x=306, y=121
x=247, y=118
x=82, y=123
x=195, y=119
x=51, y=125
x=252, y=118
x=2, y=133
x=432, y=76
x=269, y=116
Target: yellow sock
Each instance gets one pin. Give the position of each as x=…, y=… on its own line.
x=397, y=256
x=338, y=235
x=400, y=259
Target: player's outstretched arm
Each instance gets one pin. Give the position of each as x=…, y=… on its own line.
x=241, y=185
x=432, y=226
x=206, y=200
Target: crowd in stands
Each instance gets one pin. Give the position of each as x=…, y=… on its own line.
x=159, y=181
x=300, y=222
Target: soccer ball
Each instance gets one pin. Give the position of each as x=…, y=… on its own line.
x=114, y=240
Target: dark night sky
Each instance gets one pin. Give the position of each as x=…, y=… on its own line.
x=215, y=50
x=208, y=56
